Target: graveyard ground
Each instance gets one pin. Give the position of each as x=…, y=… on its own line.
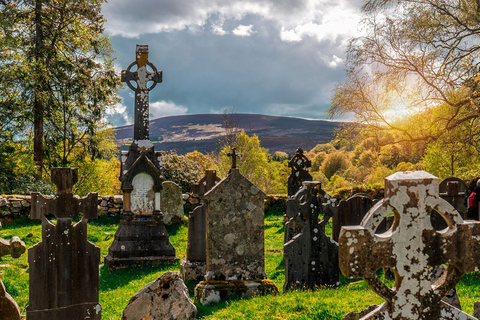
x=117, y=287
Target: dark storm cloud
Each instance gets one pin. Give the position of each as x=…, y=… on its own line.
x=216, y=56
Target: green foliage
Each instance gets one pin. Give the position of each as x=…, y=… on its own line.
x=318, y=160
x=182, y=170
x=335, y=162
x=280, y=156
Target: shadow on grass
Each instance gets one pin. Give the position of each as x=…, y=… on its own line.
x=173, y=228
x=110, y=280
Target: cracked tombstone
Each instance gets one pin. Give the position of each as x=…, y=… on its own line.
x=413, y=249
x=234, y=241
x=141, y=237
x=64, y=270
x=299, y=164
x=8, y=307
x=311, y=257
x=194, y=267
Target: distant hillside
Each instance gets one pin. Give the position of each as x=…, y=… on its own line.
x=187, y=133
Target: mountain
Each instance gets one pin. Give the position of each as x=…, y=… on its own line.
x=199, y=132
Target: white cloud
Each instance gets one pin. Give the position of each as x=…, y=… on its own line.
x=243, y=31
x=113, y=113
x=166, y=108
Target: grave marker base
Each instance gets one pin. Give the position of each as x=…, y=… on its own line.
x=214, y=291
x=193, y=270
x=82, y=311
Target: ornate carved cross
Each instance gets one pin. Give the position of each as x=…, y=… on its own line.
x=141, y=77
x=412, y=248
x=233, y=154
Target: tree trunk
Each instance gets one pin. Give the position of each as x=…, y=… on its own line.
x=38, y=105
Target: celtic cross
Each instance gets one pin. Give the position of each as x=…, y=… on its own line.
x=142, y=77
x=412, y=248
x=233, y=154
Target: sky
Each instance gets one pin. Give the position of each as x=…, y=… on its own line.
x=273, y=57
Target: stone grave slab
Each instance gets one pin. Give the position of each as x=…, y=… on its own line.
x=234, y=236
x=194, y=267
x=64, y=266
x=311, y=257
x=171, y=202
x=452, y=190
x=412, y=248
x=8, y=307
x=141, y=237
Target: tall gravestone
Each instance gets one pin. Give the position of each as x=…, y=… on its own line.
x=64, y=265
x=234, y=240
x=8, y=307
x=141, y=237
x=412, y=248
x=311, y=257
x=299, y=165
x=195, y=266
x=171, y=203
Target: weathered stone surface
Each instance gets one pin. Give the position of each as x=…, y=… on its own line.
x=311, y=257
x=64, y=270
x=141, y=237
x=411, y=248
x=453, y=191
x=235, y=232
x=8, y=307
x=350, y=212
x=3, y=202
x=166, y=298
x=171, y=202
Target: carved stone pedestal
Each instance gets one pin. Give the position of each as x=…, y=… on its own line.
x=214, y=291
x=139, y=241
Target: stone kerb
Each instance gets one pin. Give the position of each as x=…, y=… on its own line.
x=412, y=248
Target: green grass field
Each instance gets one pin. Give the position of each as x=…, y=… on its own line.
x=117, y=287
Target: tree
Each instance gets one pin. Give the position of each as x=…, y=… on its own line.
x=60, y=76
x=415, y=56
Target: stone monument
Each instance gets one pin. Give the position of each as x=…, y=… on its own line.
x=311, y=257
x=141, y=237
x=413, y=249
x=299, y=164
x=195, y=266
x=64, y=265
x=453, y=191
x=234, y=240
x=8, y=307
x=171, y=203
x=350, y=212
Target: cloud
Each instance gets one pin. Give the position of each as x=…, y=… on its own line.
x=117, y=114
x=243, y=31
x=166, y=108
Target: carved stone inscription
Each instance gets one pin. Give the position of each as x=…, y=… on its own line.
x=142, y=195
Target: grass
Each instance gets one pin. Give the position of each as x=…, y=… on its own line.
x=117, y=287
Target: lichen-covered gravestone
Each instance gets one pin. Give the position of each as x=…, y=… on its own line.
x=311, y=257
x=413, y=249
x=350, y=212
x=299, y=165
x=235, y=241
x=195, y=266
x=171, y=202
x=64, y=265
x=141, y=237
x=8, y=307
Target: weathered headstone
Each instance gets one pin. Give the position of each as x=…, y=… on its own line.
x=235, y=240
x=350, y=212
x=164, y=298
x=64, y=265
x=453, y=191
x=195, y=266
x=141, y=237
x=8, y=307
x=299, y=165
x=171, y=202
x=412, y=248
x=311, y=257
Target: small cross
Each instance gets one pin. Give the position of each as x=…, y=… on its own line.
x=233, y=154
x=141, y=77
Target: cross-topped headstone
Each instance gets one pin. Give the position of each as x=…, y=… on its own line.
x=299, y=164
x=145, y=81
x=412, y=248
x=8, y=307
x=64, y=270
x=233, y=154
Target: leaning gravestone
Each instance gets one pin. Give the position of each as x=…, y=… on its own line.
x=64, y=265
x=165, y=298
x=141, y=237
x=171, y=202
x=299, y=165
x=412, y=248
x=195, y=266
x=311, y=257
x=235, y=240
x=8, y=307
